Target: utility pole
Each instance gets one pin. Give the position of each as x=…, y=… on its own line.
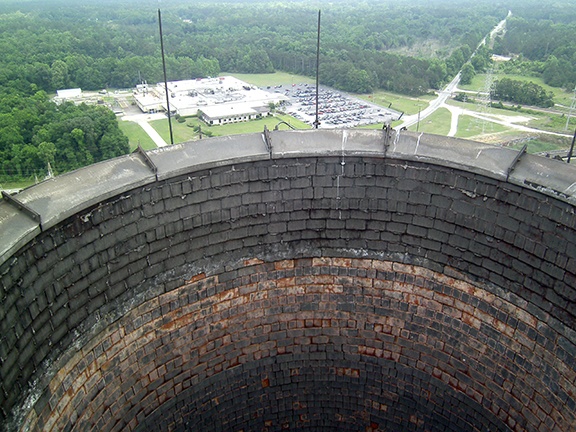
x=317, y=121
x=165, y=79
x=572, y=107
x=571, y=147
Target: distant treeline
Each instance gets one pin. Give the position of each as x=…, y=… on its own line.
x=542, y=47
x=365, y=46
x=93, y=47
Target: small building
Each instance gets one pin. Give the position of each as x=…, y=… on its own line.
x=68, y=94
x=148, y=103
x=231, y=113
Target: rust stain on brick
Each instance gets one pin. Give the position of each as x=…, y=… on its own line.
x=342, y=262
x=284, y=265
x=471, y=320
x=178, y=322
x=253, y=261
x=204, y=333
x=385, y=266
x=286, y=282
x=196, y=278
x=321, y=262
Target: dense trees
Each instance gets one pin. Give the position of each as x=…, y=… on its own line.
x=521, y=92
x=544, y=43
x=366, y=45
x=35, y=132
x=93, y=47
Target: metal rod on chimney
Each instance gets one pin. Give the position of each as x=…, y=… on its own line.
x=165, y=79
x=571, y=147
x=317, y=121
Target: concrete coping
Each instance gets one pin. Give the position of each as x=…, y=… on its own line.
x=61, y=197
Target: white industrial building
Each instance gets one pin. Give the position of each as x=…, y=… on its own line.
x=68, y=94
x=217, y=100
x=229, y=113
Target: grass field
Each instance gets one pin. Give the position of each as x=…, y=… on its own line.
x=136, y=135
x=406, y=104
x=180, y=131
x=542, y=146
x=22, y=184
x=185, y=131
x=469, y=127
x=438, y=123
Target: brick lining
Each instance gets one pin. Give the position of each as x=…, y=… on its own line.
x=319, y=343
x=423, y=266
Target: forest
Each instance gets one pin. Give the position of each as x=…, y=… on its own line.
x=365, y=46
x=542, y=46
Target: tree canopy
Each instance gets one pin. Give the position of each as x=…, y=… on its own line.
x=35, y=132
x=543, y=44
x=365, y=45
x=521, y=92
x=96, y=46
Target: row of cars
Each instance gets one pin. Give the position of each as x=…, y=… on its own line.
x=335, y=109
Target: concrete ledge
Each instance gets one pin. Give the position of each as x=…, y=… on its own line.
x=465, y=155
x=59, y=198
x=16, y=229
x=276, y=234
x=196, y=155
x=336, y=142
x=548, y=176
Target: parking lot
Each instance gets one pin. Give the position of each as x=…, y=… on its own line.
x=335, y=109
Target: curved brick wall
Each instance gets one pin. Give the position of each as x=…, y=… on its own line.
x=373, y=282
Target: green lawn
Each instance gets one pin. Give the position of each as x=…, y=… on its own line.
x=180, y=131
x=405, y=104
x=185, y=132
x=438, y=123
x=20, y=184
x=553, y=122
x=471, y=126
x=136, y=135
x=542, y=145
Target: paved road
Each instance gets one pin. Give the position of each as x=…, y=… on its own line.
x=152, y=133
x=142, y=120
x=443, y=95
